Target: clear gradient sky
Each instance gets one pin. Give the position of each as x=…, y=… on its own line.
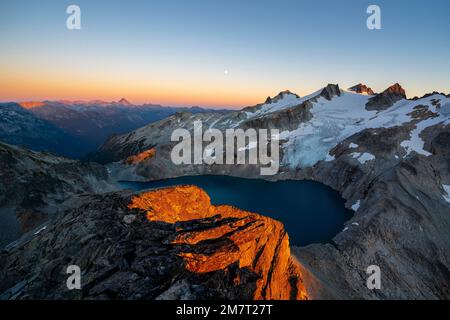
x=221, y=53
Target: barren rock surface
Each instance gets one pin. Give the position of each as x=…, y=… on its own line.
x=164, y=244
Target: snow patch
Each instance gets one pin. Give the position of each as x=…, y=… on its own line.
x=366, y=157
x=363, y=158
x=40, y=230
x=447, y=191
x=330, y=158
x=356, y=205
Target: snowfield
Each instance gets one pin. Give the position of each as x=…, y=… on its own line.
x=335, y=120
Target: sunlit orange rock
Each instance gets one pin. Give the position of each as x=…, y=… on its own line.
x=226, y=235
x=31, y=104
x=147, y=154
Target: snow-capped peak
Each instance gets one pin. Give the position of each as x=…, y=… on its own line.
x=280, y=96
x=362, y=89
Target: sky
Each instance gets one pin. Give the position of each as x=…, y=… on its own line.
x=218, y=53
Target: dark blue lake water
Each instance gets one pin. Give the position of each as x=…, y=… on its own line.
x=310, y=211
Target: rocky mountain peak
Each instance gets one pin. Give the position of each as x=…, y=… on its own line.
x=124, y=101
x=397, y=90
x=330, y=91
x=280, y=96
x=362, y=89
x=387, y=98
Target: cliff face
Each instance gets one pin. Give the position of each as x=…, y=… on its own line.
x=387, y=98
x=362, y=88
x=164, y=244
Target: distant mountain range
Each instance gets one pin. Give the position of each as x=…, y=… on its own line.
x=75, y=128
x=19, y=126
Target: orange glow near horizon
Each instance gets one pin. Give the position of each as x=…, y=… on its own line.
x=52, y=79
x=21, y=85
x=50, y=76
x=28, y=89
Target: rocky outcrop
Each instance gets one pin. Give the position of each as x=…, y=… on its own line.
x=288, y=119
x=143, y=156
x=35, y=185
x=387, y=98
x=163, y=244
x=280, y=96
x=362, y=89
x=330, y=91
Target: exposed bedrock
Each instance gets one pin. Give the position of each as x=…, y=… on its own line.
x=165, y=244
x=289, y=118
x=387, y=98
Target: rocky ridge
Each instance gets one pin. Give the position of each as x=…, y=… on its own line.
x=387, y=98
x=164, y=244
x=362, y=88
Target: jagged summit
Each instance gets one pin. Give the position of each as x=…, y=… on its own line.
x=397, y=90
x=426, y=95
x=280, y=96
x=362, y=89
x=330, y=91
x=125, y=102
x=387, y=98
